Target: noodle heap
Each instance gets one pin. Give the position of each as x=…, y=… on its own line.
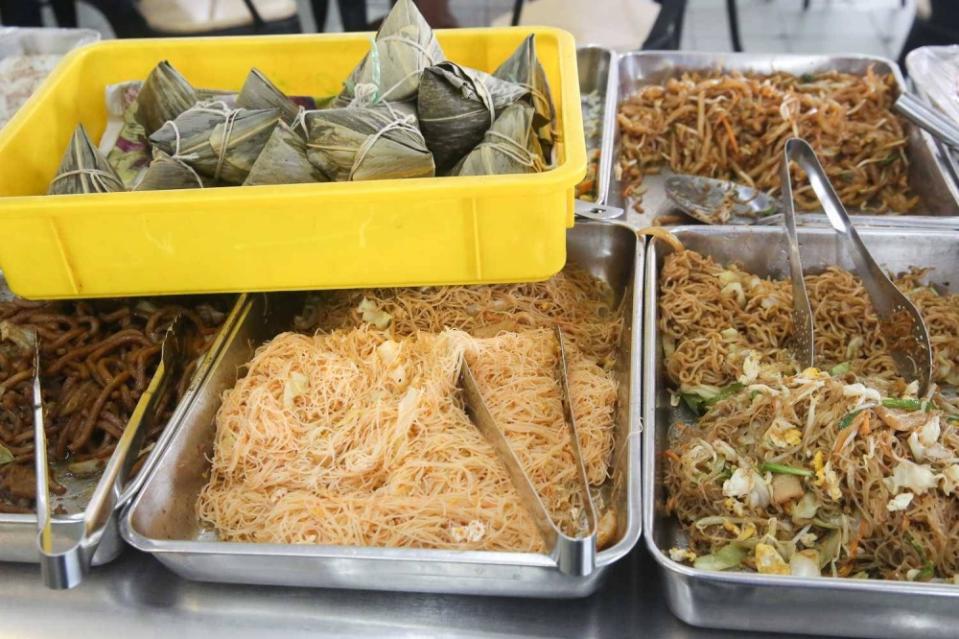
x=805, y=473
x=357, y=435
x=353, y=438
x=572, y=299
x=96, y=360
x=734, y=126
x=516, y=373
x=714, y=317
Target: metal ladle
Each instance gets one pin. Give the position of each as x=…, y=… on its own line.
x=900, y=323
x=712, y=201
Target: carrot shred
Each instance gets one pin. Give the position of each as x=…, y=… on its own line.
x=731, y=135
x=860, y=533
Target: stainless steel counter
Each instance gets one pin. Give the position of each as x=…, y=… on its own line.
x=137, y=597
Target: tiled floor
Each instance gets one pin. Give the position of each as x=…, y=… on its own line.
x=876, y=27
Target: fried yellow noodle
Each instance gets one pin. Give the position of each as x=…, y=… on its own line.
x=734, y=126
x=807, y=472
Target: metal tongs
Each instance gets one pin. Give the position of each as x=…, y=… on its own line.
x=900, y=323
x=574, y=556
x=67, y=546
x=929, y=118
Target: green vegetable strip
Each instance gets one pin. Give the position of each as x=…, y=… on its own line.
x=839, y=369
x=725, y=393
x=693, y=402
x=783, y=469
x=903, y=404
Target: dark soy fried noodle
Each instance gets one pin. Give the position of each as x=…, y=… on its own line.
x=96, y=359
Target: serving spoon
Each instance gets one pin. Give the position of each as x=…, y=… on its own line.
x=713, y=201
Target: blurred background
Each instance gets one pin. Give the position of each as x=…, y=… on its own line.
x=878, y=27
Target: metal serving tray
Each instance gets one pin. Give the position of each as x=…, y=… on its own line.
x=162, y=520
x=928, y=177
x=18, y=532
x=743, y=601
x=925, y=87
x=597, y=72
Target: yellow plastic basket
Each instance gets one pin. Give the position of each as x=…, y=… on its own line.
x=445, y=230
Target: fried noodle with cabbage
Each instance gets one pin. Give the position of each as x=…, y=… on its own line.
x=836, y=470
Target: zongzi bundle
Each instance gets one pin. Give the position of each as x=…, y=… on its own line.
x=524, y=69
x=167, y=174
x=505, y=147
x=84, y=169
x=284, y=160
x=367, y=143
x=403, y=47
x=259, y=93
x=164, y=96
x=219, y=142
x=456, y=106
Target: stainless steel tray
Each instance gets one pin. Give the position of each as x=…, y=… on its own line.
x=18, y=532
x=928, y=176
x=33, y=41
x=743, y=601
x=923, y=83
x=161, y=520
x=597, y=73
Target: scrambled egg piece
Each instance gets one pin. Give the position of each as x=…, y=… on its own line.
x=818, y=464
x=769, y=561
x=682, y=554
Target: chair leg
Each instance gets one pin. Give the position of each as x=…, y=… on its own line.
x=517, y=12
x=733, y=13
x=65, y=12
x=805, y=4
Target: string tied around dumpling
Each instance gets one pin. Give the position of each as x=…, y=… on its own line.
x=483, y=92
x=415, y=72
x=537, y=95
x=364, y=95
x=216, y=107
x=300, y=122
x=99, y=178
x=411, y=43
x=406, y=123
x=228, y=125
x=513, y=150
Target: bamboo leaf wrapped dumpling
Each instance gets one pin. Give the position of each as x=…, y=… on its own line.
x=164, y=96
x=402, y=48
x=284, y=160
x=259, y=93
x=167, y=174
x=456, y=106
x=367, y=143
x=219, y=142
x=523, y=68
x=84, y=169
x=506, y=147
